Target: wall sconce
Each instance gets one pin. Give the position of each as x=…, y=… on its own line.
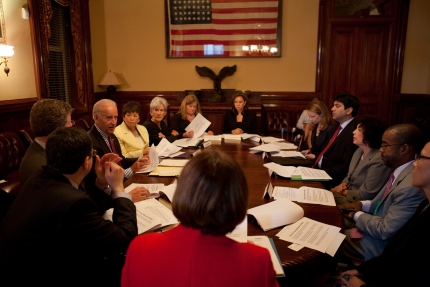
x=110, y=80
x=6, y=52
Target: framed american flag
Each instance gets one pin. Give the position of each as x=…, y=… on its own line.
x=223, y=28
x=2, y=25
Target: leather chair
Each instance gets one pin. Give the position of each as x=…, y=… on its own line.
x=87, y=120
x=277, y=123
x=27, y=136
x=12, y=151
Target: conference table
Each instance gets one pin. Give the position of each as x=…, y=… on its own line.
x=306, y=267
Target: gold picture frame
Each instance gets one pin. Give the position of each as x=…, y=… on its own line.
x=2, y=25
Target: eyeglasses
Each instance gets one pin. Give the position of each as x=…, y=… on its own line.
x=94, y=152
x=420, y=156
x=384, y=145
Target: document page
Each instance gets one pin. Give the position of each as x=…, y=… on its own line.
x=305, y=194
x=266, y=148
x=271, y=139
x=166, y=148
x=285, y=153
x=153, y=157
x=173, y=162
x=186, y=142
x=281, y=170
x=153, y=209
x=276, y=213
x=285, y=145
x=311, y=234
x=307, y=173
x=264, y=241
x=166, y=171
x=198, y=125
x=232, y=137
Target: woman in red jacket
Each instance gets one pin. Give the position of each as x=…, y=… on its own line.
x=211, y=198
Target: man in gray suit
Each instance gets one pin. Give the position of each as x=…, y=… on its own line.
x=374, y=222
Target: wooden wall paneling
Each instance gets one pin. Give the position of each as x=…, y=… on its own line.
x=14, y=114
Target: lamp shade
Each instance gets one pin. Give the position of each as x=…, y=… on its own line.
x=6, y=51
x=109, y=79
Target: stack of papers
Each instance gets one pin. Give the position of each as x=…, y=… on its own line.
x=151, y=215
x=276, y=213
x=265, y=148
x=285, y=145
x=188, y=142
x=232, y=137
x=156, y=189
x=153, y=157
x=284, y=153
x=305, y=194
x=313, y=234
x=253, y=137
x=165, y=148
x=271, y=139
x=297, y=173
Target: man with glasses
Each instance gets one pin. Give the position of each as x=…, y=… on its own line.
x=53, y=234
x=45, y=117
x=400, y=264
x=373, y=222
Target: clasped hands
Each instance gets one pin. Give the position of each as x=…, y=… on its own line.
x=349, y=209
x=308, y=154
x=110, y=173
x=341, y=189
x=350, y=278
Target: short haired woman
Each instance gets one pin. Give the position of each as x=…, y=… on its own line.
x=239, y=119
x=211, y=198
x=133, y=138
x=367, y=173
x=156, y=126
x=189, y=109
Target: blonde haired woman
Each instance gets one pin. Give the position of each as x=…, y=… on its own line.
x=190, y=107
x=323, y=129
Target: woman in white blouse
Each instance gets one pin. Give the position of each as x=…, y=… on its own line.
x=133, y=138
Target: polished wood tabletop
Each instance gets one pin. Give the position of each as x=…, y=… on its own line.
x=258, y=177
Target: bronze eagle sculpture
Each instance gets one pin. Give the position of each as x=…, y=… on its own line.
x=224, y=72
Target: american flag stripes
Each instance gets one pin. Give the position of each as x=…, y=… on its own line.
x=221, y=27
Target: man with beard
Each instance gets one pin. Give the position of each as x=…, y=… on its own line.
x=374, y=222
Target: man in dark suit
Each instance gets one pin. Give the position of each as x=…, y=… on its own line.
x=337, y=155
x=45, y=117
x=53, y=234
x=105, y=115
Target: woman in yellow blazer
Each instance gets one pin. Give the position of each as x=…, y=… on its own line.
x=133, y=138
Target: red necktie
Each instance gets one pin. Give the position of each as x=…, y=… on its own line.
x=327, y=146
x=388, y=187
x=112, y=147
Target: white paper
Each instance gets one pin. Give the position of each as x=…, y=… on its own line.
x=248, y=136
x=335, y=244
x=268, y=190
x=153, y=207
x=305, y=194
x=263, y=241
x=199, y=125
x=285, y=153
x=281, y=170
x=213, y=138
x=166, y=148
x=240, y=232
x=271, y=139
x=308, y=173
x=296, y=247
x=173, y=162
x=276, y=213
x=151, y=187
x=171, y=171
x=232, y=137
x=266, y=148
x=186, y=142
x=311, y=234
x=153, y=157
x=285, y=145
x=176, y=154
